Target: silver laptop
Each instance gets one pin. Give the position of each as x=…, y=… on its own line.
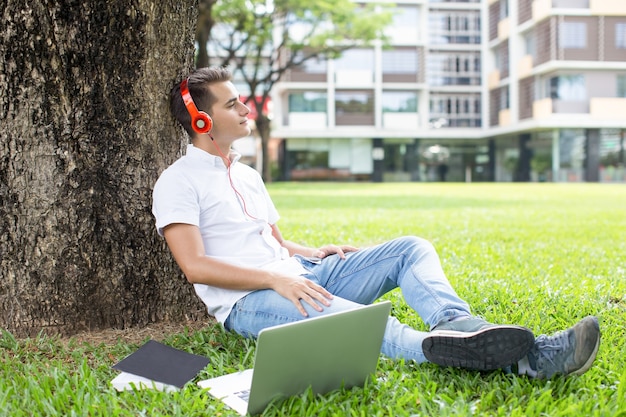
x=324, y=353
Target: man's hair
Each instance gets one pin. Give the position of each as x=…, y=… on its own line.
x=198, y=84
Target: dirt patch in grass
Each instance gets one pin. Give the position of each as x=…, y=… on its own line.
x=156, y=331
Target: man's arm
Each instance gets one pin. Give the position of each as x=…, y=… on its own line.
x=295, y=248
x=185, y=243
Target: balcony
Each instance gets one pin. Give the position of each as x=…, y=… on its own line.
x=607, y=7
x=541, y=9
x=403, y=35
x=354, y=78
x=607, y=108
x=400, y=121
x=308, y=120
x=542, y=109
x=504, y=117
x=571, y=4
x=547, y=107
x=525, y=66
x=354, y=119
x=493, y=79
x=504, y=29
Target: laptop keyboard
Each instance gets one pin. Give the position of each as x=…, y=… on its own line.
x=244, y=395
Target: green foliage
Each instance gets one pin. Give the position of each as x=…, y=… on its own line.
x=264, y=38
x=541, y=255
x=324, y=27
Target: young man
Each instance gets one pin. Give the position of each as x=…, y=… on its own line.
x=221, y=227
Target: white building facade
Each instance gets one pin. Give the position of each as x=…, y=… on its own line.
x=492, y=90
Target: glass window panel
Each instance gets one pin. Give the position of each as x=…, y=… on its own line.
x=454, y=27
x=573, y=35
x=405, y=16
x=504, y=9
x=621, y=86
x=356, y=59
x=529, y=44
x=354, y=102
x=454, y=110
x=620, y=35
x=308, y=101
x=399, y=102
x=454, y=68
x=308, y=159
x=568, y=87
x=400, y=61
x=314, y=66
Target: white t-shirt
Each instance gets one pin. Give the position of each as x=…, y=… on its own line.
x=197, y=190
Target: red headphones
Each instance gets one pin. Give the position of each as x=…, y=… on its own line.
x=201, y=122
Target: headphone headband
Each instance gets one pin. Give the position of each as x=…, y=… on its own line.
x=201, y=122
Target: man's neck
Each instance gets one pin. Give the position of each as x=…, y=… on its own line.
x=213, y=147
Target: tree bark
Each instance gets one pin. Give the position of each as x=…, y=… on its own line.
x=85, y=131
x=203, y=30
x=264, y=130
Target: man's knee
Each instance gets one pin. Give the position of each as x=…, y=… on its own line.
x=417, y=243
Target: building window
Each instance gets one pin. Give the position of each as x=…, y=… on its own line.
x=354, y=108
x=405, y=17
x=504, y=9
x=405, y=24
x=529, y=44
x=447, y=27
x=573, y=35
x=611, y=150
x=307, y=66
x=454, y=68
x=399, y=102
x=455, y=110
x=620, y=35
x=314, y=66
x=308, y=101
x=498, y=61
x=621, y=86
x=568, y=88
x=504, y=99
x=400, y=61
x=307, y=159
x=355, y=59
x=348, y=102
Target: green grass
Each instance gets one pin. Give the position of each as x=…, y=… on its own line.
x=541, y=255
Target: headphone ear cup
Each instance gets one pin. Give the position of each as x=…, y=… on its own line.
x=202, y=122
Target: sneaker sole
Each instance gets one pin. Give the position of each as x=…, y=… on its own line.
x=494, y=347
x=590, y=360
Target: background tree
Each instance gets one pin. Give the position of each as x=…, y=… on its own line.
x=262, y=39
x=84, y=132
x=203, y=30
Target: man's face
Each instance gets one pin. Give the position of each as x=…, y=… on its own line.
x=229, y=114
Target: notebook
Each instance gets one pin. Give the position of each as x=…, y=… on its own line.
x=158, y=366
x=324, y=353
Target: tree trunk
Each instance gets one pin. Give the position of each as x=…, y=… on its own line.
x=203, y=30
x=264, y=129
x=85, y=131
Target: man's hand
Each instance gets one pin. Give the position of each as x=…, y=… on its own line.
x=324, y=251
x=340, y=250
x=298, y=289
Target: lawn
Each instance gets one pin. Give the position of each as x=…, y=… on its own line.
x=540, y=255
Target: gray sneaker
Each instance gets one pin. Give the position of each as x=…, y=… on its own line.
x=476, y=344
x=570, y=351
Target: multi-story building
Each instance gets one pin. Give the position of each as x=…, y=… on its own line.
x=492, y=90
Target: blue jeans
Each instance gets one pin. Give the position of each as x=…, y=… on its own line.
x=409, y=263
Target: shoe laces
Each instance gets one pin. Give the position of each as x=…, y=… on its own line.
x=547, y=347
